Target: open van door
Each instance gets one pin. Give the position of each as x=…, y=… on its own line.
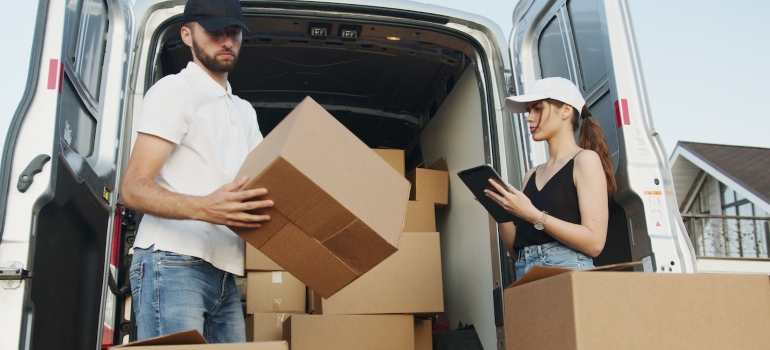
x=591, y=42
x=59, y=164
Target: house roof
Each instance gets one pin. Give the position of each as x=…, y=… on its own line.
x=745, y=167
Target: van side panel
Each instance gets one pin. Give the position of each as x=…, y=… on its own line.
x=456, y=133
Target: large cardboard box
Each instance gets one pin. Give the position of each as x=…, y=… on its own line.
x=394, y=157
x=339, y=207
x=258, y=261
x=420, y=217
x=265, y=326
x=274, y=291
x=633, y=310
x=193, y=340
x=335, y=332
x=408, y=282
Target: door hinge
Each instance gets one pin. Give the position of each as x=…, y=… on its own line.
x=12, y=275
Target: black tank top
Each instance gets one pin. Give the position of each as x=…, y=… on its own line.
x=558, y=197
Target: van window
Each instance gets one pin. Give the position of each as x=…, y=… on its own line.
x=550, y=47
x=85, y=43
x=584, y=16
x=86, y=47
x=77, y=126
x=585, y=40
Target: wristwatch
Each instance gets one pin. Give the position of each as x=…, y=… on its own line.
x=540, y=225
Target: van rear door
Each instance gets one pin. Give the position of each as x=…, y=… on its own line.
x=592, y=43
x=59, y=175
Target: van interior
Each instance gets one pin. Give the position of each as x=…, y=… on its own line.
x=384, y=84
x=393, y=85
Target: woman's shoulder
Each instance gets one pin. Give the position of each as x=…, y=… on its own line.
x=587, y=160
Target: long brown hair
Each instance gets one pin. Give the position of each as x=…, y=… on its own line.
x=592, y=137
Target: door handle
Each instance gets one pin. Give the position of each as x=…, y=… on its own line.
x=34, y=167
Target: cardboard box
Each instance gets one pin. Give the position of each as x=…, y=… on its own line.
x=193, y=340
x=423, y=334
x=274, y=291
x=339, y=208
x=420, y=217
x=335, y=332
x=258, y=261
x=634, y=310
x=408, y=282
x=394, y=157
x=430, y=184
x=265, y=326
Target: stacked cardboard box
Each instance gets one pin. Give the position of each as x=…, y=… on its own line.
x=430, y=184
x=271, y=297
x=409, y=282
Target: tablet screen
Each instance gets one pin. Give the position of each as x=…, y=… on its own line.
x=477, y=180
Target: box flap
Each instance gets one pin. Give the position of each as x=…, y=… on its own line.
x=181, y=338
x=541, y=272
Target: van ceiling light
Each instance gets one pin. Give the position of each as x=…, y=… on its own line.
x=394, y=38
x=349, y=32
x=319, y=30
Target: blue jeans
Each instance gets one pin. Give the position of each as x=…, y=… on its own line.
x=174, y=292
x=554, y=254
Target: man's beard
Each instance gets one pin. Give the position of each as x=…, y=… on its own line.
x=211, y=62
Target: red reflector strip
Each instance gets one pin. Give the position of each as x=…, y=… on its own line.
x=61, y=74
x=622, y=116
x=53, y=73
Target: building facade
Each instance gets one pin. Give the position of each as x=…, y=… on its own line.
x=723, y=194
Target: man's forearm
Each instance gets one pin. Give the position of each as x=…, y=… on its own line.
x=148, y=197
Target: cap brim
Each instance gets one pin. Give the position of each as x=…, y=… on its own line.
x=518, y=104
x=214, y=24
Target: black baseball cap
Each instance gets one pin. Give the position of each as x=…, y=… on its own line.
x=214, y=15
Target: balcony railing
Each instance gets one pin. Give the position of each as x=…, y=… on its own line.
x=724, y=236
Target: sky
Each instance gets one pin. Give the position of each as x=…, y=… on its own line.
x=704, y=62
x=705, y=65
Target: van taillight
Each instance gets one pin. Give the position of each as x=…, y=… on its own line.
x=108, y=331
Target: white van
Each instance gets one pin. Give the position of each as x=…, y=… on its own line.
x=399, y=74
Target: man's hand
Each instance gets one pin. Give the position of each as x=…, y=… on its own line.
x=228, y=206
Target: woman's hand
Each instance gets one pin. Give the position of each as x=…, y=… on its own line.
x=513, y=201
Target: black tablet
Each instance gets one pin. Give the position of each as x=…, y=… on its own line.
x=477, y=180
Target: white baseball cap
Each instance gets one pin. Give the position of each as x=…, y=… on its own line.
x=556, y=88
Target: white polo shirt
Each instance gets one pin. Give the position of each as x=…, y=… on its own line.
x=213, y=131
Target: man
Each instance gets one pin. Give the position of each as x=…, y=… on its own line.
x=193, y=136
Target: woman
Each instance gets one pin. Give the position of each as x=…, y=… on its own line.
x=562, y=213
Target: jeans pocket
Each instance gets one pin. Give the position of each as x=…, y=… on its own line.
x=176, y=259
x=566, y=258
x=586, y=262
x=135, y=275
